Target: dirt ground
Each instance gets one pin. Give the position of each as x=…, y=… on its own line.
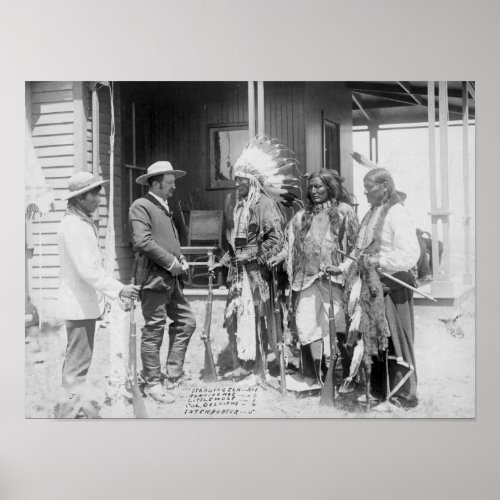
x=445, y=358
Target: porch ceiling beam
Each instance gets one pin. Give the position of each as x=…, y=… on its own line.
x=471, y=89
x=401, y=98
x=392, y=103
x=360, y=107
x=390, y=88
x=407, y=88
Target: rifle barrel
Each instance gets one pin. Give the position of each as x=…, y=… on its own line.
x=137, y=402
x=209, y=372
x=396, y=280
x=279, y=332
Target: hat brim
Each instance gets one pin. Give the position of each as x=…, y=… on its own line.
x=143, y=179
x=83, y=190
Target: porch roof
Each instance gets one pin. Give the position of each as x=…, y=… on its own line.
x=395, y=102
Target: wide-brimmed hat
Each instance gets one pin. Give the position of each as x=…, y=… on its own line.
x=158, y=168
x=82, y=182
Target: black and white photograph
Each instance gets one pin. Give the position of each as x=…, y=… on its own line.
x=257, y=250
x=250, y=249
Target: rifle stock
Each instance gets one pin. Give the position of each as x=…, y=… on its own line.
x=279, y=331
x=209, y=371
x=137, y=401
x=327, y=397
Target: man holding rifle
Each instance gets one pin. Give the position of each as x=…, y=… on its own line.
x=265, y=179
x=386, y=245
x=155, y=238
x=83, y=285
x=326, y=224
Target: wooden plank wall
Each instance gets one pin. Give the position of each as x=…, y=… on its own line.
x=284, y=108
x=335, y=100
x=182, y=116
x=52, y=123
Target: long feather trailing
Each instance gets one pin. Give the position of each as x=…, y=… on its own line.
x=357, y=357
x=365, y=162
x=354, y=296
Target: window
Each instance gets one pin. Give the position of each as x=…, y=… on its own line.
x=331, y=144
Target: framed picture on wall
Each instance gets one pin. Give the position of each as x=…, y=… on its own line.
x=226, y=142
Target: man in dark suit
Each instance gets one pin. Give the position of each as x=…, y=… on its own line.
x=155, y=237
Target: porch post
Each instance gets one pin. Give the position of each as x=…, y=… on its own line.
x=95, y=131
x=134, y=159
x=373, y=131
x=465, y=128
x=260, y=108
x=431, y=116
x=444, y=287
x=251, y=110
x=80, y=126
x=445, y=202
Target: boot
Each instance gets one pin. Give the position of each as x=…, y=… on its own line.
x=316, y=350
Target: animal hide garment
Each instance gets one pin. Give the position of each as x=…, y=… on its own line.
x=366, y=309
x=242, y=307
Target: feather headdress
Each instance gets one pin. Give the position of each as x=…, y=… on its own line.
x=273, y=166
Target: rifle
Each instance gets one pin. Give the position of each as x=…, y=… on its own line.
x=328, y=389
x=278, y=330
x=137, y=401
x=392, y=278
x=209, y=372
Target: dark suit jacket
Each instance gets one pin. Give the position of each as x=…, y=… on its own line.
x=153, y=232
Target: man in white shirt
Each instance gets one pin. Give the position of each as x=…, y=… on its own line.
x=83, y=283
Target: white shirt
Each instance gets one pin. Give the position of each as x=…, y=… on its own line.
x=399, y=248
x=163, y=202
x=83, y=279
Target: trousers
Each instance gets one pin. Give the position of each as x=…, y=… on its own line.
x=76, y=365
x=78, y=351
x=163, y=297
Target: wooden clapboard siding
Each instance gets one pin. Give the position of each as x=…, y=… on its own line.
x=55, y=119
x=52, y=127
x=46, y=96
x=51, y=86
x=61, y=129
x=52, y=140
x=52, y=107
x=56, y=161
x=56, y=151
x=335, y=100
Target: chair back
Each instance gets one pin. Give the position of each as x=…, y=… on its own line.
x=205, y=228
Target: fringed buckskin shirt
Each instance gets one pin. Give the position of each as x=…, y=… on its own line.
x=320, y=243
x=262, y=231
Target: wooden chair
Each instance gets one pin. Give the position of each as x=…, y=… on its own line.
x=204, y=244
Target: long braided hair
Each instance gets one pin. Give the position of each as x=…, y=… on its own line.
x=336, y=193
x=381, y=176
